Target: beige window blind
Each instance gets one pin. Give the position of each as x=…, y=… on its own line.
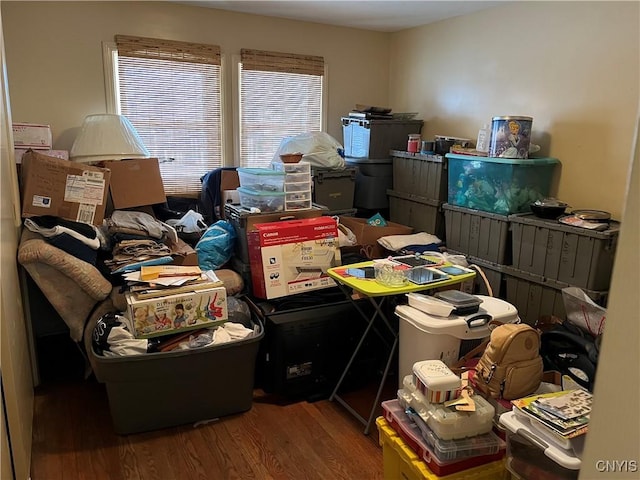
x=171, y=92
x=280, y=96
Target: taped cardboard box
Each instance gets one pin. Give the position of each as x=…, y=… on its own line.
x=135, y=183
x=368, y=235
x=69, y=190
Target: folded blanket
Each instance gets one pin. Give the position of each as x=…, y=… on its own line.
x=398, y=242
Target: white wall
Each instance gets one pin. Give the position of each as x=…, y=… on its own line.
x=572, y=66
x=54, y=55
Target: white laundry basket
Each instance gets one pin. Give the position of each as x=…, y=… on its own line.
x=428, y=337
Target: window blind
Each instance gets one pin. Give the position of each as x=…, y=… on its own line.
x=280, y=96
x=171, y=93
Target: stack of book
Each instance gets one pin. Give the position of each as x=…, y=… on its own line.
x=161, y=280
x=564, y=414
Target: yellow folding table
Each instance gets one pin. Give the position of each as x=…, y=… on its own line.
x=377, y=293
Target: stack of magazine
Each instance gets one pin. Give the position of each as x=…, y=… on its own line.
x=565, y=413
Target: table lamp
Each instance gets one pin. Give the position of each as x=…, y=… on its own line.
x=107, y=137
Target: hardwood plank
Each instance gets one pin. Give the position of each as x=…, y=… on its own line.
x=74, y=439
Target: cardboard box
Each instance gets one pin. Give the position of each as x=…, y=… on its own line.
x=177, y=313
x=135, y=183
x=32, y=135
x=293, y=256
x=229, y=181
x=368, y=235
x=63, y=154
x=69, y=190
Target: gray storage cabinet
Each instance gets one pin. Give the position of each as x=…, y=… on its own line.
x=573, y=255
x=159, y=390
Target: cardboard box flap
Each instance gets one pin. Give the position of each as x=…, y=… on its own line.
x=135, y=183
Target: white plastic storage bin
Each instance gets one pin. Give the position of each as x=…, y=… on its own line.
x=447, y=422
x=261, y=179
x=529, y=456
x=428, y=337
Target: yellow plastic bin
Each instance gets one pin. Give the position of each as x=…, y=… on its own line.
x=400, y=461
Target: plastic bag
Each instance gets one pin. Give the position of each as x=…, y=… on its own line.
x=216, y=245
x=191, y=222
x=318, y=148
x=583, y=312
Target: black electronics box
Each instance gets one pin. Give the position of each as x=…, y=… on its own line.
x=308, y=342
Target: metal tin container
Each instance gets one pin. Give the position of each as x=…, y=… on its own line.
x=510, y=137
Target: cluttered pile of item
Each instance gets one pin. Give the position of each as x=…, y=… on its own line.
x=524, y=394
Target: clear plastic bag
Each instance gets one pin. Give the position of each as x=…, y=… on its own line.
x=191, y=222
x=318, y=148
x=583, y=312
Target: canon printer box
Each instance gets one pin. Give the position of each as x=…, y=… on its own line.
x=292, y=256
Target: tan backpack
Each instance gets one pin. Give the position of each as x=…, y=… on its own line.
x=511, y=366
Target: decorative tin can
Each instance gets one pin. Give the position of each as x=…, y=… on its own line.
x=510, y=137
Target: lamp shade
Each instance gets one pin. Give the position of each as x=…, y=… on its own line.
x=107, y=137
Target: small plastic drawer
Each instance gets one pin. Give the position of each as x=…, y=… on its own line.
x=294, y=205
x=297, y=186
x=289, y=168
x=262, y=179
x=298, y=177
x=298, y=196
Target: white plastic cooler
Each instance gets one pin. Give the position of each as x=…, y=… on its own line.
x=429, y=337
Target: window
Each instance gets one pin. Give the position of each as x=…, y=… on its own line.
x=171, y=93
x=280, y=96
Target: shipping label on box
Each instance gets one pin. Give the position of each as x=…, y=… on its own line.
x=60, y=188
x=177, y=313
x=32, y=135
x=293, y=256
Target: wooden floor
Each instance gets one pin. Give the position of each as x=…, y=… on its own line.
x=73, y=438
